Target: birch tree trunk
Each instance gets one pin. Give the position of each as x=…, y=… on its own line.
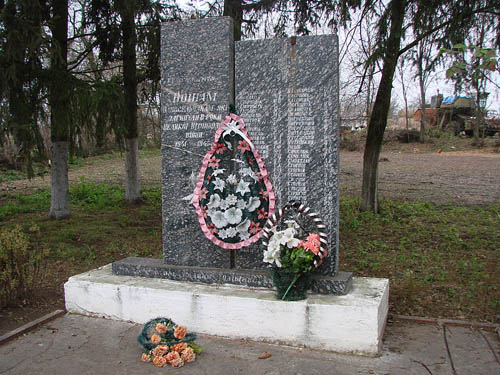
x=59, y=197
x=59, y=111
x=132, y=176
x=133, y=180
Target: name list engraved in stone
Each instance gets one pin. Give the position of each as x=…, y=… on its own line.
x=300, y=137
x=250, y=107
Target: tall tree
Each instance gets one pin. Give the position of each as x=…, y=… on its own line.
x=424, y=61
x=446, y=22
x=234, y=9
x=401, y=71
x=121, y=27
x=59, y=95
x=128, y=10
x=393, y=18
x=21, y=65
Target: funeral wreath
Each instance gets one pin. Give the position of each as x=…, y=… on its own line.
x=295, y=244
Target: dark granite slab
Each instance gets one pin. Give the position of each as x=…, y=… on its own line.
x=287, y=93
x=157, y=268
x=197, y=90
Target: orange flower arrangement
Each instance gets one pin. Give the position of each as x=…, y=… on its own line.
x=160, y=350
x=179, y=348
x=172, y=356
x=155, y=339
x=188, y=355
x=180, y=332
x=160, y=361
x=178, y=362
x=166, y=343
x=161, y=328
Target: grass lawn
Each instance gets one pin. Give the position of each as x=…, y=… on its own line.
x=443, y=261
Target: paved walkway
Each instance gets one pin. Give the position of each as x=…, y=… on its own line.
x=74, y=344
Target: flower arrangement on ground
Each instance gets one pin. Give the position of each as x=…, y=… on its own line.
x=293, y=249
x=166, y=343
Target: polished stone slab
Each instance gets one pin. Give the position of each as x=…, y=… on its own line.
x=339, y=284
x=196, y=94
x=287, y=92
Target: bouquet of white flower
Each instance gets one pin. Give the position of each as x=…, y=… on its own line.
x=293, y=252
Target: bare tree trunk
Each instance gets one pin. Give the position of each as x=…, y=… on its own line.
x=422, y=105
x=369, y=92
x=59, y=197
x=132, y=182
x=59, y=106
x=478, y=117
x=405, y=98
x=378, y=119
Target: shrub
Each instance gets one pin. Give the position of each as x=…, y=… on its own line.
x=352, y=141
x=20, y=264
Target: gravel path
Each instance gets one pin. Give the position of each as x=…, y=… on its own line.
x=459, y=177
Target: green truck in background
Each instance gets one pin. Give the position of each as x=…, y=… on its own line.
x=458, y=115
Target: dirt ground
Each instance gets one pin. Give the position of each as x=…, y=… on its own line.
x=452, y=177
x=449, y=177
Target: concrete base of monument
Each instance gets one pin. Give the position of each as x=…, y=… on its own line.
x=353, y=323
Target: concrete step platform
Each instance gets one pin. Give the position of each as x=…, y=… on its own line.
x=353, y=323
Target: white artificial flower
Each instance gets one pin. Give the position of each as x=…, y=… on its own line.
x=219, y=184
x=231, y=232
x=293, y=243
x=288, y=238
x=288, y=234
x=292, y=224
x=222, y=234
x=214, y=201
x=243, y=227
x=233, y=215
x=253, y=176
x=242, y=187
x=224, y=204
x=219, y=219
x=218, y=171
x=277, y=236
x=273, y=247
x=272, y=257
x=253, y=204
x=246, y=172
x=241, y=204
x=232, y=199
x=244, y=235
x=231, y=179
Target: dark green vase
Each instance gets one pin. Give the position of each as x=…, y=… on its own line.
x=282, y=280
